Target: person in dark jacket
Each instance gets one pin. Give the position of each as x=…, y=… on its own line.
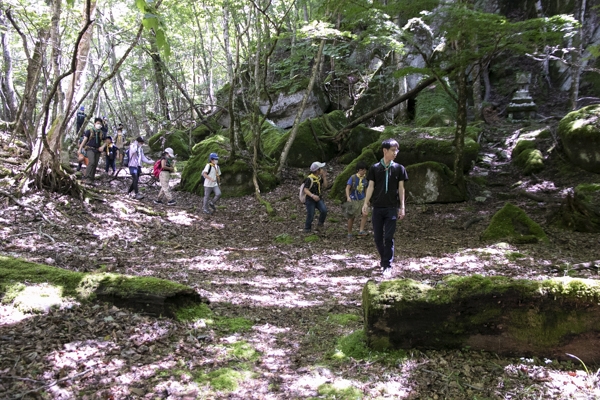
x=92, y=142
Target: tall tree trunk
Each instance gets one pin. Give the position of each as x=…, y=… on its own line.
x=477, y=100
x=55, y=55
x=576, y=60
x=294, y=132
x=461, y=126
x=8, y=89
x=159, y=77
x=24, y=120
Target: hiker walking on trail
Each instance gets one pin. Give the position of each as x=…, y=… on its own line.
x=167, y=164
x=212, y=180
x=136, y=158
x=110, y=155
x=386, y=194
x=92, y=141
x=314, y=185
x=355, y=198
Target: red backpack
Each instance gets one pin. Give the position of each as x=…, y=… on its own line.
x=157, y=168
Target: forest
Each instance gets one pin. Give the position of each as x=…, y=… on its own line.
x=121, y=278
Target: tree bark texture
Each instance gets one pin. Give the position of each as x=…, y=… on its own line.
x=8, y=89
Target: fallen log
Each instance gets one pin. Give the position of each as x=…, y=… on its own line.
x=497, y=314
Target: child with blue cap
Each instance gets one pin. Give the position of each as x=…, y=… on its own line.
x=212, y=179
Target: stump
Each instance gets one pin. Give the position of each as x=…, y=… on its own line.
x=498, y=314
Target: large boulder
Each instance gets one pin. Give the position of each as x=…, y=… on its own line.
x=512, y=317
x=513, y=225
x=580, y=134
x=236, y=178
x=178, y=140
x=431, y=182
x=305, y=149
x=419, y=145
x=286, y=106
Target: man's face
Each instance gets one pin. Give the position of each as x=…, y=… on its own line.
x=390, y=154
x=362, y=172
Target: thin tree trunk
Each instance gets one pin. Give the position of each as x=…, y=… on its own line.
x=160, y=81
x=477, y=100
x=461, y=126
x=294, y=132
x=8, y=88
x=576, y=60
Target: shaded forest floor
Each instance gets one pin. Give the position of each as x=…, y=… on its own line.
x=285, y=307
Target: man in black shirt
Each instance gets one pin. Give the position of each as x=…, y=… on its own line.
x=93, y=142
x=385, y=193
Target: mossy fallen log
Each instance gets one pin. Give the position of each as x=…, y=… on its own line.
x=502, y=315
x=147, y=295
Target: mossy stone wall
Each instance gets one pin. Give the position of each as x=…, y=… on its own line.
x=431, y=182
x=499, y=314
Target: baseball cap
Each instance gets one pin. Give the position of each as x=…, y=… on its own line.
x=316, y=165
x=213, y=156
x=170, y=151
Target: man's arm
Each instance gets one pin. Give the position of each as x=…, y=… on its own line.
x=401, y=196
x=370, y=188
x=83, y=142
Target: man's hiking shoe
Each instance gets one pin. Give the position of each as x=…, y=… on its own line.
x=206, y=212
x=387, y=272
x=319, y=228
x=139, y=196
x=212, y=205
x=157, y=201
x=171, y=202
x=350, y=236
x=363, y=233
x=307, y=231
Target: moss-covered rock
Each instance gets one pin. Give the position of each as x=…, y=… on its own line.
x=531, y=161
x=580, y=134
x=431, y=182
x=513, y=225
x=419, y=145
x=178, y=140
x=236, y=175
x=147, y=294
x=305, y=150
x=361, y=137
x=499, y=314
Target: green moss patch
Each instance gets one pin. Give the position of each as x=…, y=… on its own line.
x=203, y=312
x=223, y=379
x=512, y=224
x=341, y=390
x=530, y=160
x=19, y=276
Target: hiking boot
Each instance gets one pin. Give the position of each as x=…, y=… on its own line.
x=212, y=206
x=139, y=196
x=171, y=202
x=206, y=212
x=157, y=201
x=387, y=272
x=320, y=228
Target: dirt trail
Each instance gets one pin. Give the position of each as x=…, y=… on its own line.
x=293, y=293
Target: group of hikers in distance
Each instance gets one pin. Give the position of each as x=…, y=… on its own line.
x=95, y=143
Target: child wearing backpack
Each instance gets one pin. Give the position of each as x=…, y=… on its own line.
x=212, y=178
x=356, y=188
x=314, y=185
x=167, y=165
